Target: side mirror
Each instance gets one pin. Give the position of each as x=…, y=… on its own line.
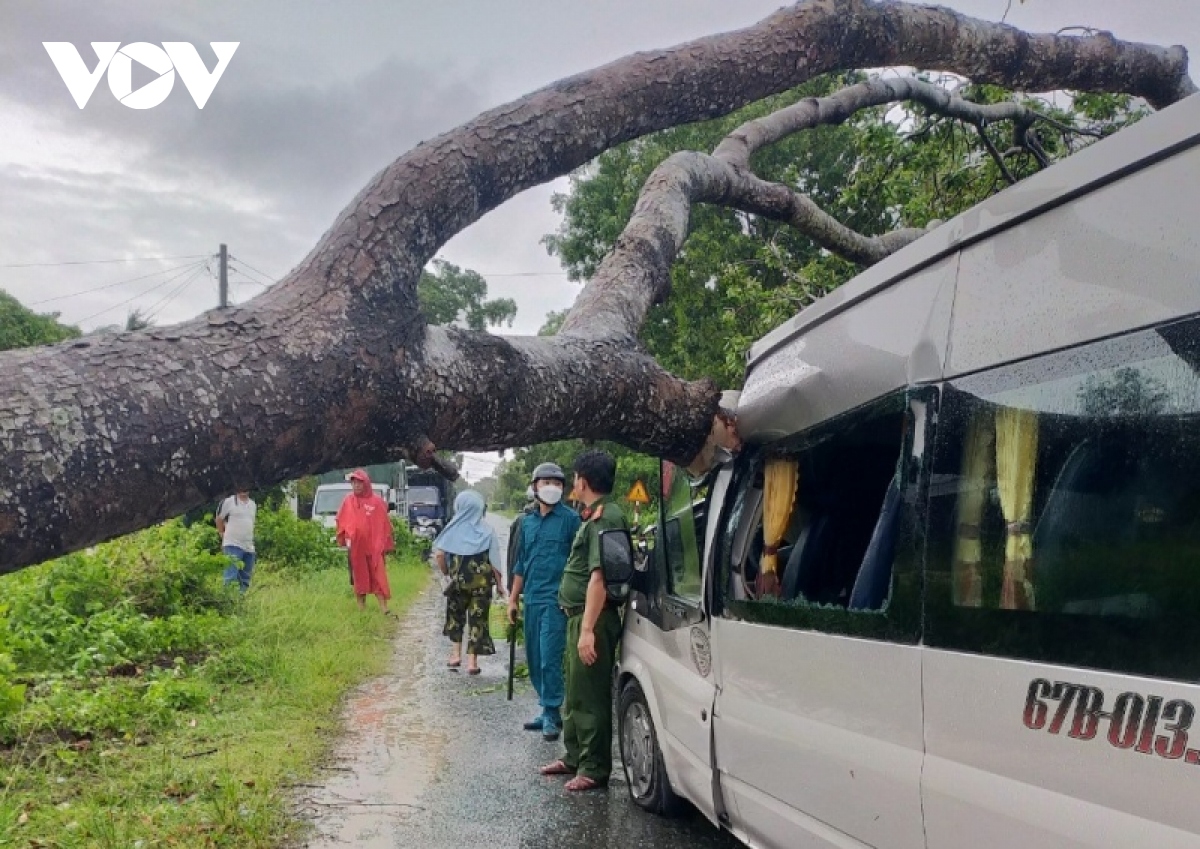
x=616, y=556
x=644, y=569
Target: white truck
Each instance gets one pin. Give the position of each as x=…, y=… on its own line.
x=329, y=497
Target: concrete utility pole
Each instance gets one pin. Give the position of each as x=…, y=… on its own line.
x=224, y=277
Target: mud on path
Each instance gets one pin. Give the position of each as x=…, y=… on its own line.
x=382, y=767
x=433, y=758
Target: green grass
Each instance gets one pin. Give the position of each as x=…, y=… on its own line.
x=219, y=774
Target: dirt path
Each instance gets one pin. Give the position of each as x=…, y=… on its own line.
x=383, y=766
x=436, y=759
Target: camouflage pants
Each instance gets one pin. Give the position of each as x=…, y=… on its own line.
x=464, y=605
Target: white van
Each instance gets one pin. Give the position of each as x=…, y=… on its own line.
x=328, y=498
x=949, y=594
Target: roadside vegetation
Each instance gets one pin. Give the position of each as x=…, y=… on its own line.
x=144, y=704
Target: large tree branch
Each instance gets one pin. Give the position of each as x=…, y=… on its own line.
x=742, y=143
x=413, y=207
x=273, y=407
x=335, y=366
x=636, y=273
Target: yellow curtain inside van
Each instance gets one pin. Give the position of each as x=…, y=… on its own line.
x=779, y=497
x=967, y=568
x=1016, y=470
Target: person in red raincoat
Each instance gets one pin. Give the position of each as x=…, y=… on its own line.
x=363, y=525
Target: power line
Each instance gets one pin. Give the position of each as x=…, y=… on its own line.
x=139, y=295
x=268, y=277
x=170, y=296
x=250, y=267
x=102, y=261
x=111, y=285
x=243, y=270
x=469, y=458
x=524, y=274
x=242, y=280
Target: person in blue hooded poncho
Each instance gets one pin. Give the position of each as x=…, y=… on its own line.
x=467, y=552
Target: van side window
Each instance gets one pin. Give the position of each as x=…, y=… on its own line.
x=1065, y=507
x=810, y=536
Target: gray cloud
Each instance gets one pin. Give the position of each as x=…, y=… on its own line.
x=266, y=166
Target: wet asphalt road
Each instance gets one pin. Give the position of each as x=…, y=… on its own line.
x=434, y=758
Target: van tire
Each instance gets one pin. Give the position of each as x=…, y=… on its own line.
x=645, y=771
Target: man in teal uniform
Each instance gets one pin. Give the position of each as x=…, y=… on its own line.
x=546, y=536
x=593, y=630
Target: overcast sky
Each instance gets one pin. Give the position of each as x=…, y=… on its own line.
x=317, y=98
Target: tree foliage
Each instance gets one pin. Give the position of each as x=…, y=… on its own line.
x=739, y=275
x=1127, y=392
x=21, y=327
x=453, y=295
x=513, y=475
x=553, y=321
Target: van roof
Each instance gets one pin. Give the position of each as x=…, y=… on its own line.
x=1153, y=138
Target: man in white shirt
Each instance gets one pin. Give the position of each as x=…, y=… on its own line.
x=235, y=522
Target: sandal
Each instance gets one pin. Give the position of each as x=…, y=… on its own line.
x=473, y=671
x=454, y=664
x=556, y=768
x=581, y=784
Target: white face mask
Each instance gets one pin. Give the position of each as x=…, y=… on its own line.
x=550, y=495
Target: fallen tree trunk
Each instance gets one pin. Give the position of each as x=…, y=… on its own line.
x=334, y=365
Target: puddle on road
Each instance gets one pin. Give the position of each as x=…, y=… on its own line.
x=383, y=766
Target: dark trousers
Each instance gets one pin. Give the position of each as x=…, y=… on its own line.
x=587, y=711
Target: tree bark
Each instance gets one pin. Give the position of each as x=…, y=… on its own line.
x=335, y=365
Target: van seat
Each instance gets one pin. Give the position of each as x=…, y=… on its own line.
x=874, y=579
x=808, y=555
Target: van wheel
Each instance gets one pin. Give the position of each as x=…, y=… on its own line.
x=645, y=772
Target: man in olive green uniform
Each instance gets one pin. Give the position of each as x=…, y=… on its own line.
x=514, y=535
x=593, y=631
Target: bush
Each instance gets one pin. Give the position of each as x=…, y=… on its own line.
x=166, y=695
x=123, y=601
x=406, y=542
x=80, y=636
x=116, y=639
x=12, y=696
x=284, y=541
x=105, y=746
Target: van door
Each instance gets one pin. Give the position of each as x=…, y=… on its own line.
x=818, y=721
x=667, y=632
x=1062, y=596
